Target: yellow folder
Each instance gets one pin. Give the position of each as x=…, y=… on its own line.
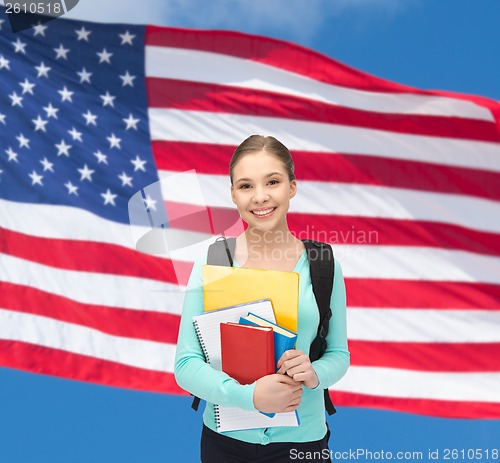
x=227, y=286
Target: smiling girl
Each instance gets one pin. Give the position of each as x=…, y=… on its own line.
x=262, y=185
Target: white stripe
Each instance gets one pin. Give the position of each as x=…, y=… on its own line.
x=417, y=263
x=231, y=129
x=425, y=325
x=387, y=382
x=58, y=222
x=95, y=288
x=330, y=198
x=43, y=331
x=192, y=65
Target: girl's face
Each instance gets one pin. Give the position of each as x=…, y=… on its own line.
x=262, y=191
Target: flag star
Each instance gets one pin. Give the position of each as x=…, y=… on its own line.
x=114, y=142
x=39, y=29
x=83, y=34
x=86, y=173
x=61, y=52
x=63, y=148
x=72, y=189
x=109, y=198
x=2, y=118
x=90, y=118
x=126, y=180
x=35, y=178
x=138, y=164
x=66, y=94
x=23, y=142
x=131, y=122
x=108, y=99
x=42, y=70
x=75, y=134
x=101, y=157
x=27, y=86
x=16, y=99
x=127, y=38
x=12, y=154
x=4, y=63
x=47, y=165
x=127, y=79
x=84, y=76
x=39, y=124
x=104, y=56
x=51, y=111
x=19, y=46
x=150, y=203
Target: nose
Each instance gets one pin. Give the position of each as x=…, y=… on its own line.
x=260, y=195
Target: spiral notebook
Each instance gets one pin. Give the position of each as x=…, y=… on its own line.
x=207, y=326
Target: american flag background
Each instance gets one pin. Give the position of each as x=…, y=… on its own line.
x=402, y=182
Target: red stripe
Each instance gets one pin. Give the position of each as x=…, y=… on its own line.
x=198, y=96
x=116, y=321
x=277, y=53
x=340, y=168
x=439, y=408
x=393, y=293
x=352, y=230
x=54, y=362
x=442, y=357
x=87, y=256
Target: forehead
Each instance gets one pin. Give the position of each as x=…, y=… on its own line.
x=258, y=164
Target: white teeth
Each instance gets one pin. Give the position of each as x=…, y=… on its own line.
x=263, y=212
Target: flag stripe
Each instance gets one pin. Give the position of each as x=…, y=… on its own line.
x=41, y=359
x=95, y=288
x=394, y=203
x=230, y=129
x=55, y=334
x=191, y=64
x=442, y=408
x=451, y=357
x=341, y=168
x=415, y=325
x=116, y=321
x=392, y=382
x=214, y=98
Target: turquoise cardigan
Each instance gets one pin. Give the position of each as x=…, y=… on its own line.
x=194, y=375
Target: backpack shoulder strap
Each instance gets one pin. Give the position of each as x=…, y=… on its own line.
x=220, y=252
x=322, y=268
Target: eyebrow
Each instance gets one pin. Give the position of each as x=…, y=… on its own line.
x=267, y=176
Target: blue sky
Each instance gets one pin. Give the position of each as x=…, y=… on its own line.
x=446, y=45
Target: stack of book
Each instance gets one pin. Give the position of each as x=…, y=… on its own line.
x=244, y=335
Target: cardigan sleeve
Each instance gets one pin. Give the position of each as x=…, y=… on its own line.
x=333, y=364
x=192, y=372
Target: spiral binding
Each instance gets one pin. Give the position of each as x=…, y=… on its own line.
x=203, y=347
x=217, y=416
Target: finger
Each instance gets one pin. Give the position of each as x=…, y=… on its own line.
x=285, y=379
x=289, y=354
x=301, y=361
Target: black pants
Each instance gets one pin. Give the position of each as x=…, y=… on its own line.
x=217, y=448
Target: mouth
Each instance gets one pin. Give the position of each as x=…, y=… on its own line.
x=262, y=213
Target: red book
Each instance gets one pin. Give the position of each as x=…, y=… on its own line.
x=247, y=351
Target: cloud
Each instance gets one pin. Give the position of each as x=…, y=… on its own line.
x=293, y=19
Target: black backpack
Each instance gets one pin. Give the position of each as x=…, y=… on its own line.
x=321, y=262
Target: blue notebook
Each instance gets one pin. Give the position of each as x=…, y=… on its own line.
x=283, y=339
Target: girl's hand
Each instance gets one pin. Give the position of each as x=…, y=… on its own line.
x=297, y=365
x=277, y=393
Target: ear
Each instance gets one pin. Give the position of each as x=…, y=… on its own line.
x=293, y=188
